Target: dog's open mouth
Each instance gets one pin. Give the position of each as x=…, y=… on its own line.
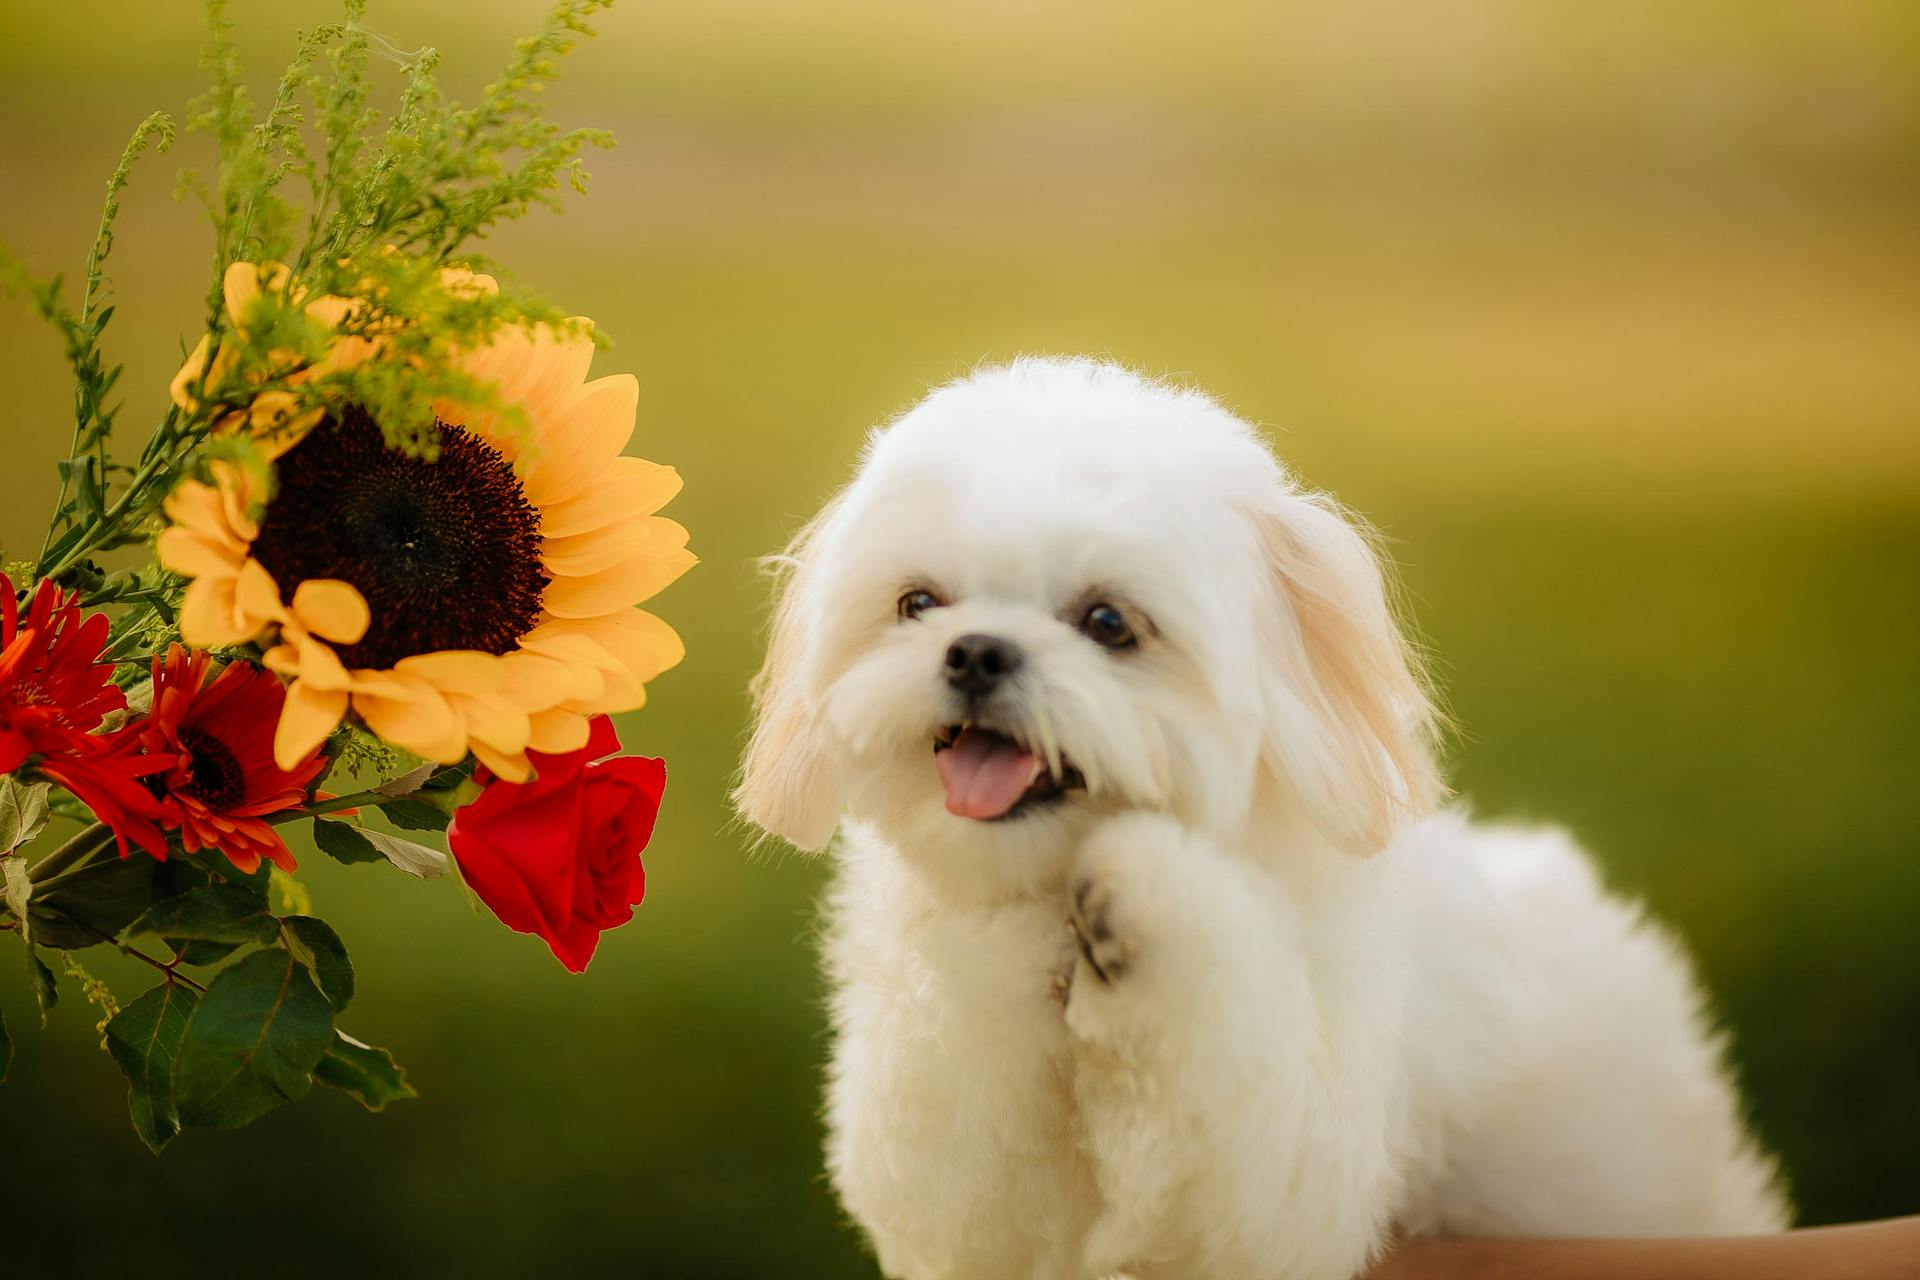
x=988, y=775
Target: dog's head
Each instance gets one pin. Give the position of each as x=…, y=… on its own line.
x=1057, y=589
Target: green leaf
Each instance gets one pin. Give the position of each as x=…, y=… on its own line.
x=410, y=814
x=92, y=905
x=45, y=987
x=357, y=844
x=414, y=859
x=23, y=811
x=253, y=1042
x=217, y=913
x=449, y=776
x=412, y=780
x=201, y=954
x=344, y=842
x=144, y=1038
x=315, y=944
x=16, y=890
x=369, y=1074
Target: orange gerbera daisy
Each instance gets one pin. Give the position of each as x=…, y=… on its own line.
x=224, y=781
x=54, y=691
x=483, y=601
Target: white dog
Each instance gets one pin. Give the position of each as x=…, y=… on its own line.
x=1149, y=952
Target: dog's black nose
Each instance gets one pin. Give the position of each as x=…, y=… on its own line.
x=976, y=665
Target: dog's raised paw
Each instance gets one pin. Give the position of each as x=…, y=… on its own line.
x=1096, y=927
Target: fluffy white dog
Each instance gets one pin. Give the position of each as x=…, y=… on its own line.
x=1149, y=952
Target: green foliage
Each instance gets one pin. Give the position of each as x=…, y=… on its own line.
x=389, y=202
x=359, y=227
x=343, y=842
x=356, y=752
x=145, y=1040
x=253, y=1042
x=314, y=943
x=410, y=814
x=368, y=1074
x=23, y=811
x=92, y=904
x=358, y=844
x=215, y=913
x=46, y=989
x=97, y=993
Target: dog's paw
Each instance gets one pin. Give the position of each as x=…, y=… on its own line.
x=1060, y=976
x=1099, y=929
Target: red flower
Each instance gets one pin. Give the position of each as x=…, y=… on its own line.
x=53, y=691
x=560, y=856
x=223, y=780
x=52, y=686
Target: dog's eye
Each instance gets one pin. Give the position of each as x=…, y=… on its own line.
x=915, y=603
x=1106, y=625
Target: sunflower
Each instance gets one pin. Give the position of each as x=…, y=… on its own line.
x=223, y=780
x=482, y=601
x=275, y=417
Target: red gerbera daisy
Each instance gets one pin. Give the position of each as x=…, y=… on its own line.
x=223, y=780
x=53, y=691
x=52, y=685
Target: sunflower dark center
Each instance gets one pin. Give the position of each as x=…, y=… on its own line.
x=216, y=778
x=447, y=552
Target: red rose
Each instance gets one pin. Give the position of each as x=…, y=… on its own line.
x=560, y=856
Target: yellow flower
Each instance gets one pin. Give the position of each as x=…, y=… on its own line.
x=273, y=416
x=483, y=601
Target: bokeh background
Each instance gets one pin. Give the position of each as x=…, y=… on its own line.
x=1608, y=314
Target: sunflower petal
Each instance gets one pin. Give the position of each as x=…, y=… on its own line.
x=246, y=281
x=306, y=718
x=511, y=766
x=332, y=609
x=597, y=549
x=197, y=506
x=555, y=366
x=623, y=585
x=421, y=720
x=534, y=681
x=495, y=722
x=557, y=732
x=256, y=595
x=581, y=438
x=195, y=555
x=642, y=643
x=189, y=374
x=208, y=616
x=320, y=667
x=454, y=670
x=240, y=494
x=630, y=487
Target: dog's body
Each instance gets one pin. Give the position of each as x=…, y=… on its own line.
x=1112, y=990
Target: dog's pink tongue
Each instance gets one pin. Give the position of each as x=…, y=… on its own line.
x=984, y=774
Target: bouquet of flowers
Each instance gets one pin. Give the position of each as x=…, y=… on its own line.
x=381, y=554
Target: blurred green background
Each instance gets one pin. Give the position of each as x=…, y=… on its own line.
x=1608, y=314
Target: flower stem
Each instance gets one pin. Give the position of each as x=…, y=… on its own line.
x=334, y=805
x=173, y=974
x=73, y=855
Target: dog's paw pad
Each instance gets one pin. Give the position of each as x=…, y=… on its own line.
x=1108, y=952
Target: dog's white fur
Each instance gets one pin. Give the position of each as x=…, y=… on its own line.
x=1330, y=1010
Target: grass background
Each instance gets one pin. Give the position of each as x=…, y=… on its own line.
x=1608, y=315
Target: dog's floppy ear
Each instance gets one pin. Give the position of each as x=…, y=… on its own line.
x=788, y=786
x=1348, y=718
